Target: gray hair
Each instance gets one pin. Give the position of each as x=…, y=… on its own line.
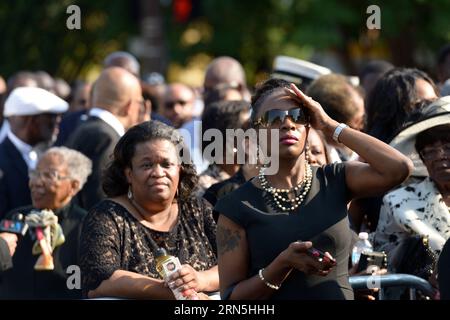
x=78, y=165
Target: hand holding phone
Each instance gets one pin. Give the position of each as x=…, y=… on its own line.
x=320, y=256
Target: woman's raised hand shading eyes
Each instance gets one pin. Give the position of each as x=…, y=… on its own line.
x=318, y=117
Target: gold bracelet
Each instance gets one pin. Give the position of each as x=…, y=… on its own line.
x=267, y=283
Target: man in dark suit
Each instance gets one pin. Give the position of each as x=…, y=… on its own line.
x=33, y=115
x=116, y=101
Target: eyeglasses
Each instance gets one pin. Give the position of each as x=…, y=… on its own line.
x=46, y=176
x=277, y=117
x=172, y=104
x=435, y=152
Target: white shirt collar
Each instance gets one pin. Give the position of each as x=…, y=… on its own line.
x=4, y=130
x=28, y=154
x=109, y=118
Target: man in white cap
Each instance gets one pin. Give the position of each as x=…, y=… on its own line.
x=19, y=79
x=33, y=115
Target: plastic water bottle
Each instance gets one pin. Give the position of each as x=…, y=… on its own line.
x=167, y=265
x=362, y=245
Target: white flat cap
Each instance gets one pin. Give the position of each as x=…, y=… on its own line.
x=28, y=101
x=292, y=68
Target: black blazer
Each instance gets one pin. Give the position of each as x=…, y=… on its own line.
x=14, y=189
x=69, y=123
x=95, y=139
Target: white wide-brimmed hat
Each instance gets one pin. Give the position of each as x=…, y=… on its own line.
x=433, y=115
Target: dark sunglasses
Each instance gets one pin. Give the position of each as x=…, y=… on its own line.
x=276, y=116
x=172, y=104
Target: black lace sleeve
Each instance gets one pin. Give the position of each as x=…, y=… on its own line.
x=209, y=224
x=100, y=250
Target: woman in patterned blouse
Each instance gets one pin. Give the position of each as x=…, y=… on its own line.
x=421, y=208
x=150, y=205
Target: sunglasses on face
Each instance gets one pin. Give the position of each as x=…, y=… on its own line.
x=277, y=117
x=172, y=104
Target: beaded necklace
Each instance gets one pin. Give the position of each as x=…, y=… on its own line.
x=279, y=198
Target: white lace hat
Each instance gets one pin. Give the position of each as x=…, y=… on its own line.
x=435, y=114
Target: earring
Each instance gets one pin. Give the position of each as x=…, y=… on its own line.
x=130, y=193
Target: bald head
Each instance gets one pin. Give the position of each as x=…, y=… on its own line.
x=44, y=80
x=21, y=79
x=224, y=70
x=124, y=60
x=114, y=88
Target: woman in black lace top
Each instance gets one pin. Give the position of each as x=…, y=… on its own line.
x=149, y=206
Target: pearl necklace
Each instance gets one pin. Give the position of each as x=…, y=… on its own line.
x=300, y=191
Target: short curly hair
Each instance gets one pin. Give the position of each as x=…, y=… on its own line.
x=115, y=183
x=78, y=165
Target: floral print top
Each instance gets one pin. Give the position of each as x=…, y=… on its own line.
x=415, y=209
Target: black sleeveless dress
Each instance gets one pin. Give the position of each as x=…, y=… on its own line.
x=321, y=218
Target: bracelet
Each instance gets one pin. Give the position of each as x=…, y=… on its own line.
x=270, y=285
x=338, y=131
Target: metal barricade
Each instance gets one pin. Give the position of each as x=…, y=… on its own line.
x=392, y=280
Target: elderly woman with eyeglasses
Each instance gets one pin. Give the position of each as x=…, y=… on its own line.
x=59, y=175
x=421, y=208
x=271, y=230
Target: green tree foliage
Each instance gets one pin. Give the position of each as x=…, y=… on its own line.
x=35, y=36
x=256, y=31
x=34, y=33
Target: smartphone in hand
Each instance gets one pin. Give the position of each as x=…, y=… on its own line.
x=320, y=256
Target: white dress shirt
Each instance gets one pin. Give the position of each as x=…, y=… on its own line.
x=109, y=118
x=28, y=154
x=4, y=130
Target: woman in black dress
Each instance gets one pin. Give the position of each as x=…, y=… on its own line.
x=150, y=206
x=267, y=226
